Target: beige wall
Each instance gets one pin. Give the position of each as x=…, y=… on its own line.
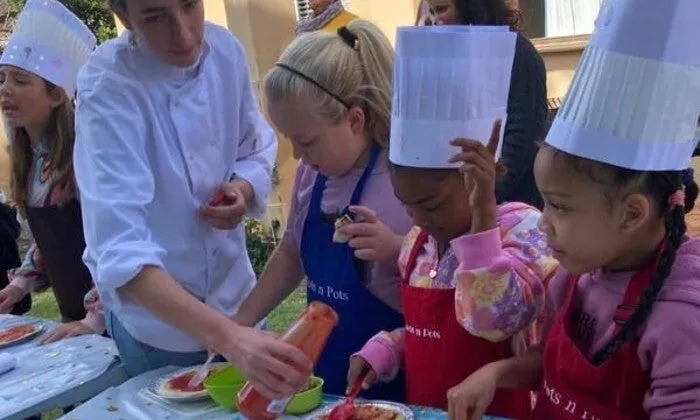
x=560, y=71
x=561, y=56
x=388, y=15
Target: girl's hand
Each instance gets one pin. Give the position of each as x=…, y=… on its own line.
x=357, y=366
x=67, y=330
x=470, y=399
x=371, y=239
x=480, y=170
x=38, y=260
x=8, y=297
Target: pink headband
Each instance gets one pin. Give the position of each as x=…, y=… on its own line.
x=677, y=199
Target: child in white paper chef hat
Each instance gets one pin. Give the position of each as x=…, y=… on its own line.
x=474, y=272
x=624, y=342
x=38, y=72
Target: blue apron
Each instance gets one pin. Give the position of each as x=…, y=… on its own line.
x=335, y=277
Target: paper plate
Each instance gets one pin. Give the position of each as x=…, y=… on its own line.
x=36, y=329
x=404, y=412
x=157, y=387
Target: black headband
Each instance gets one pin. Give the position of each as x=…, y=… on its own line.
x=349, y=37
x=313, y=82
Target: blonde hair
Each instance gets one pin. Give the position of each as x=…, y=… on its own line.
x=61, y=134
x=358, y=76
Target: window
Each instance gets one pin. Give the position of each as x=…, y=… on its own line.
x=303, y=9
x=557, y=18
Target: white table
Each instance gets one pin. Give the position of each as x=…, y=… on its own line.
x=56, y=375
x=7, y=321
x=129, y=401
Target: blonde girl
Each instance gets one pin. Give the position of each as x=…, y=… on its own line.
x=330, y=95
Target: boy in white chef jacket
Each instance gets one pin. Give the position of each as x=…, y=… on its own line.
x=166, y=120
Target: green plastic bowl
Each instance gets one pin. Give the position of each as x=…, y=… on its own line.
x=307, y=400
x=223, y=386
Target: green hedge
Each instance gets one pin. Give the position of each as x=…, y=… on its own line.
x=260, y=243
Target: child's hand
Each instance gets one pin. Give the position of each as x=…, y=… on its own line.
x=8, y=297
x=480, y=170
x=38, y=259
x=470, y=399
x=66, y=330
x=357, y=366
x=371, y=239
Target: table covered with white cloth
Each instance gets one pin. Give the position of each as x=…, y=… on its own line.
x=133, y=401
x=56, y=375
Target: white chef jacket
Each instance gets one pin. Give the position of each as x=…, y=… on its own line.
x=153, y=143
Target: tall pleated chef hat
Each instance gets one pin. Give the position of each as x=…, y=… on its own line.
x=51, y=42
x=635, y=99
x=449, y=82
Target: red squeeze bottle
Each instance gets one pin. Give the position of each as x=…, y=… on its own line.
x=309, y=334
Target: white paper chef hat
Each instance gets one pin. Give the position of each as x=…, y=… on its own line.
x=635, y=99
x=50, y=42
x=449, y=82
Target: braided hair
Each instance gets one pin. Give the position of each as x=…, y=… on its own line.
x=659, y=186
x=488, y=12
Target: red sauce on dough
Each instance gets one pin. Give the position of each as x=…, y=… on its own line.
x=15, y=333
x=179, y=383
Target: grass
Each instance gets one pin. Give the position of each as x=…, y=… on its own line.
x=44, y=306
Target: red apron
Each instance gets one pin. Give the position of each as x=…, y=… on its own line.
x=573, y=388
x=440, y=353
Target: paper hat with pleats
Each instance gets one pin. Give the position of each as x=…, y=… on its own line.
x=635, y=99
x=449, y=82
x=51, y=42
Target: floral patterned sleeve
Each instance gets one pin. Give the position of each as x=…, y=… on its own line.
x=501, y=277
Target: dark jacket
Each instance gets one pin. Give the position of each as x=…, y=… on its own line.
x=526, y=125
x=9, y=253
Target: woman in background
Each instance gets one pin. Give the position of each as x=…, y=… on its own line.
x=327, y=15
x=527, y=103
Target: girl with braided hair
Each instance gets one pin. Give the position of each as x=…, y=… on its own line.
x=623, y=340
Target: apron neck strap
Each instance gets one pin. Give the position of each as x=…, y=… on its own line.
x=373, y=154
x=421, y=240
x=636, y=287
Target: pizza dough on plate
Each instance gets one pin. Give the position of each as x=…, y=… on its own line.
x=176, y=385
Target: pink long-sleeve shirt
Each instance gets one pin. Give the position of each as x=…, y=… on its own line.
x=499, y=277
x=669, y=342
